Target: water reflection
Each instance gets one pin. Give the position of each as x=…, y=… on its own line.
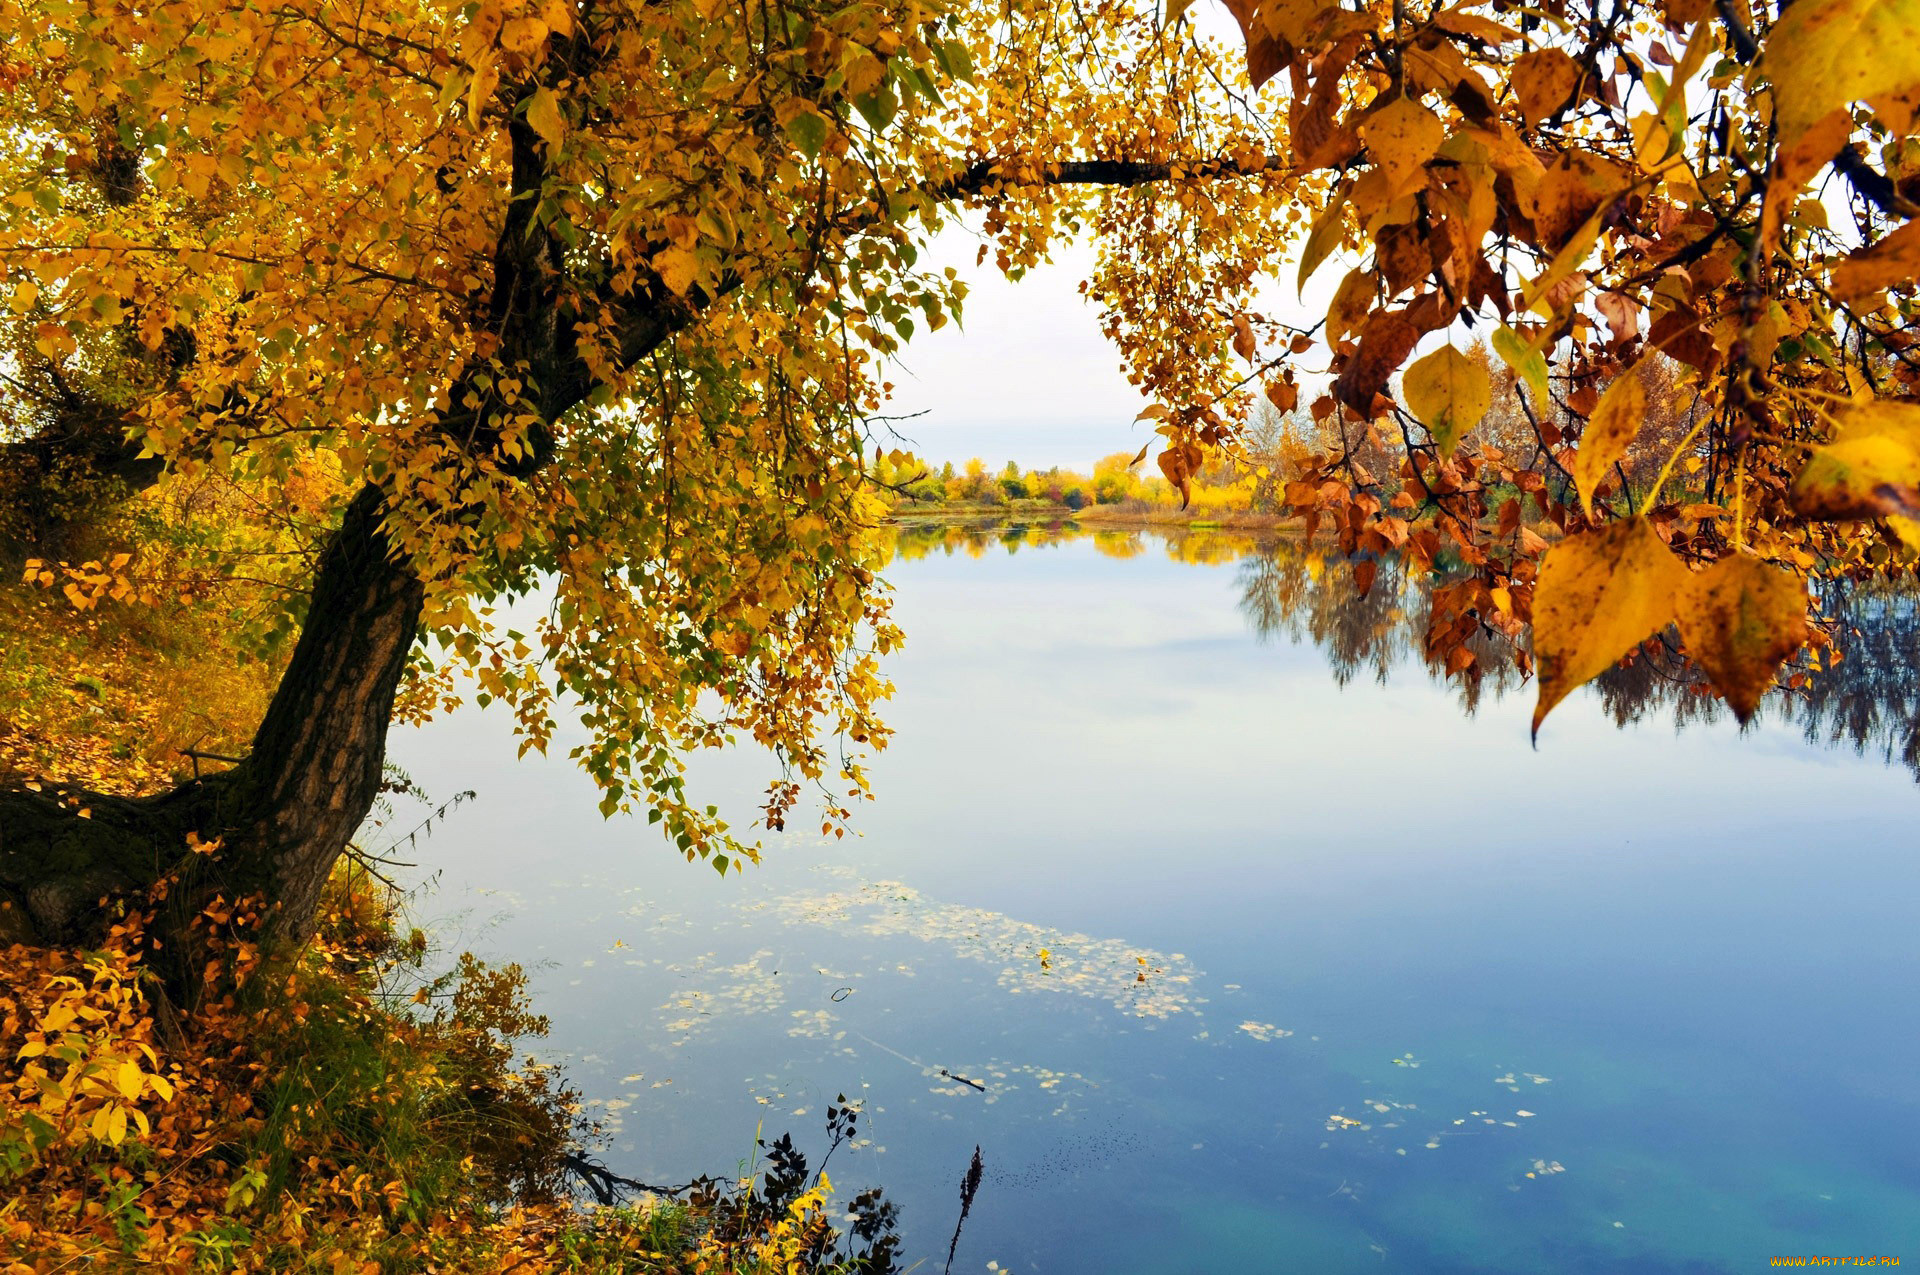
x=1869, y=700
x=1139, y=912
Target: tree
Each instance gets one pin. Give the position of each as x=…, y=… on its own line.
x=592, y=298
x=1612, y=190
x=598, y=298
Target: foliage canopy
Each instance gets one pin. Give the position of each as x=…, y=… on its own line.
x=602, y=294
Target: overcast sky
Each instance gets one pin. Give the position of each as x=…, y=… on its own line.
x=1028, y=377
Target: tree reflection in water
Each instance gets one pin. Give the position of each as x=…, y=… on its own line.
x=1869, y=701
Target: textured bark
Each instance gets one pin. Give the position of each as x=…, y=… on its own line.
x=314, y=769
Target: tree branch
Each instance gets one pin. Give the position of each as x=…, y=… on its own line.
x=988, y=175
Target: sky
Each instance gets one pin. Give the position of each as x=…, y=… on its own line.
x=1027, y=376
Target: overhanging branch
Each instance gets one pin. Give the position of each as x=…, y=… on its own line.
x=989, y=175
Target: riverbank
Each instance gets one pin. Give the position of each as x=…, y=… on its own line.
x=1124, y=515
x=364, y=1106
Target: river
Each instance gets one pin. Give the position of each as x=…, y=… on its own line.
x=1237, y=941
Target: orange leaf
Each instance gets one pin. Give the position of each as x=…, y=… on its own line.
x=1740, y=618
x=1890, y=263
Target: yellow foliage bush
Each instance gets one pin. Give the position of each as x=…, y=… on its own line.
x=345, y=1112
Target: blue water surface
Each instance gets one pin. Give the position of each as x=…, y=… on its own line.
x=1338, y=976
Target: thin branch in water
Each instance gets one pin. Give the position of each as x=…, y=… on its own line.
x=969, y=1185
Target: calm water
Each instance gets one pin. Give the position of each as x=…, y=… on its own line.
x=1343, y=976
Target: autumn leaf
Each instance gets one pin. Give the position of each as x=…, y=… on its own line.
x=1543, y=81
x=677, y=267
x=1599, y=595
x=1824, y=54
x=486, y=78
x=1283, y=393
x=1571, y=193
x=1402, y=136
x=1267, y=51
x=1323, y=238
x=1386, y=340
x=1243, y=339
x=1450, y=393
x=1351, y=301
x=543, y=116
x=1890, y=263
x=1739, y=619
x=1609, y=432
x=1528, y=363
x=1870, y=469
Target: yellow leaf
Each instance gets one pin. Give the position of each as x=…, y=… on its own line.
x=128, y=1079
x=1654, y=145
x=1894, y=261
x=1402, y=136
x=1870, y=469
x=486, y=78
x=1610, y=431
x=1600, y=594
x=1450, y=393
x=677, y=267
x=1823, y=54
x=1740, y=618
x=543, y=116
x=1328, y=229
x=520, y=35
x=1543, y=81
x=24, y=296
x=1569, y=259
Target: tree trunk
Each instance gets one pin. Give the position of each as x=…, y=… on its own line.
x=284, y=814
x=315, y=766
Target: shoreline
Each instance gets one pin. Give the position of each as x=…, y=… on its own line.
x=1093, y=517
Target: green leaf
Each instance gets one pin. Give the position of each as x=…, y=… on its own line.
x=1450, y=393
x=878, y=108
x=808, y=130
x=959, y=60
x=1529, y=364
